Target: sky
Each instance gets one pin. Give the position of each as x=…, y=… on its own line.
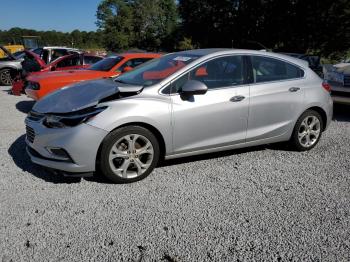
x=59, y=15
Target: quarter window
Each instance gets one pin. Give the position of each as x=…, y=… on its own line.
x=217, y=73
x=266, y=69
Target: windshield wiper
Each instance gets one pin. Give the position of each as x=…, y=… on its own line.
x=121, y=81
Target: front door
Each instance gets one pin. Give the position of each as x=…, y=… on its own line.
x=217, y=118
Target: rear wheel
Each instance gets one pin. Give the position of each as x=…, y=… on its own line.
x=307, y=131
x=129, y=154
x=5, y=77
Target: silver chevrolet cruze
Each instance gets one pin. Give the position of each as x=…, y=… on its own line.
x=182, y=104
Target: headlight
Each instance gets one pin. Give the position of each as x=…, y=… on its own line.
x=71, y=119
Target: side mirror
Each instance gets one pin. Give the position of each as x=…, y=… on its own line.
x=53, y=68
x=194, y=87
x=127, y=69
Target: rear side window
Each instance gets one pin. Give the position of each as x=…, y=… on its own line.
x=72, y=61
x=266, y=69
x=89, y=60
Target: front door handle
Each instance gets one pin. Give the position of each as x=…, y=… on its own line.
x=294, y=89
x=237, y=98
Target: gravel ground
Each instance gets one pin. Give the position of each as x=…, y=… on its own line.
x=262, y=203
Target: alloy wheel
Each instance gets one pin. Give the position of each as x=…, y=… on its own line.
x=131, y=156
x=309, y=131
x=5, y=77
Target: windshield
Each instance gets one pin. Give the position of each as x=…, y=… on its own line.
x=19, y=54
x=156, y=70
x=106, y=64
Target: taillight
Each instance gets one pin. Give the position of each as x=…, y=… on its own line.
x=326, y=86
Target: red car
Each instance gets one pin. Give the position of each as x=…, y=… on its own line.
x=39, y=85
x=68, y=62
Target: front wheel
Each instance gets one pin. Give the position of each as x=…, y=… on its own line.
x=307, y=131
x=5, y=77
x=129, y=154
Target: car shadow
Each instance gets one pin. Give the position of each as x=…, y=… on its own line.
x=20, y=157
x=6, y=89
x=18, y=152
x=25, y=106
x=208, y=156
x=341, y=112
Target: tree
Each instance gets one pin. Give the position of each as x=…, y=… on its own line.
x=81, y=39
x=288, y=25
x=115, y=19
x=140, y=23
x=154, y=22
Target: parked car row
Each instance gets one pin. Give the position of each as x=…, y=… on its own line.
x=130, y=114
x=68, y=62
x=338, y=76
x=39, y=85
x=13, y=65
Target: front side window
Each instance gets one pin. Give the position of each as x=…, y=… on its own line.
x=266, y=69
x=217, y=73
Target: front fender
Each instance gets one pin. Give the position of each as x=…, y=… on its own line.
x=151, y=111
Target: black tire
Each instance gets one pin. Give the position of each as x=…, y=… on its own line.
x=295, y=142
x=106, y=147
x=6, y=77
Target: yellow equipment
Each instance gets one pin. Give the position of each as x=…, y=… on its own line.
x=27, y=42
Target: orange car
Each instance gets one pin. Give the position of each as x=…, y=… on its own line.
x=38, y=86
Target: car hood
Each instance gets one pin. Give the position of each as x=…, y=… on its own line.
x=67, y=74
x=82, y=95
x=36, y=57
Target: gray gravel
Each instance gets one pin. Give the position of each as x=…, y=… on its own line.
x=263, y=203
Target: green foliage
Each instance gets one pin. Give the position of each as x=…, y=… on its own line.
x=305, y=26
x=185, y=44
x=115, y=18
x=78, y=39
x=141, y=23
x=288, y=25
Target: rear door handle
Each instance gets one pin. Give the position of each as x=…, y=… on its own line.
x=294, y=89
x=237, y=98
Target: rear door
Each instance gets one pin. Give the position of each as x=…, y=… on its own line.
x=276, y=96
x=217, y=118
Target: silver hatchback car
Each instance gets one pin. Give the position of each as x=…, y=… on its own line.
x=182, y=104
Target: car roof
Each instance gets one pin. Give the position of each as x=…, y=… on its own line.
x=135, y=55
x=205, y=53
